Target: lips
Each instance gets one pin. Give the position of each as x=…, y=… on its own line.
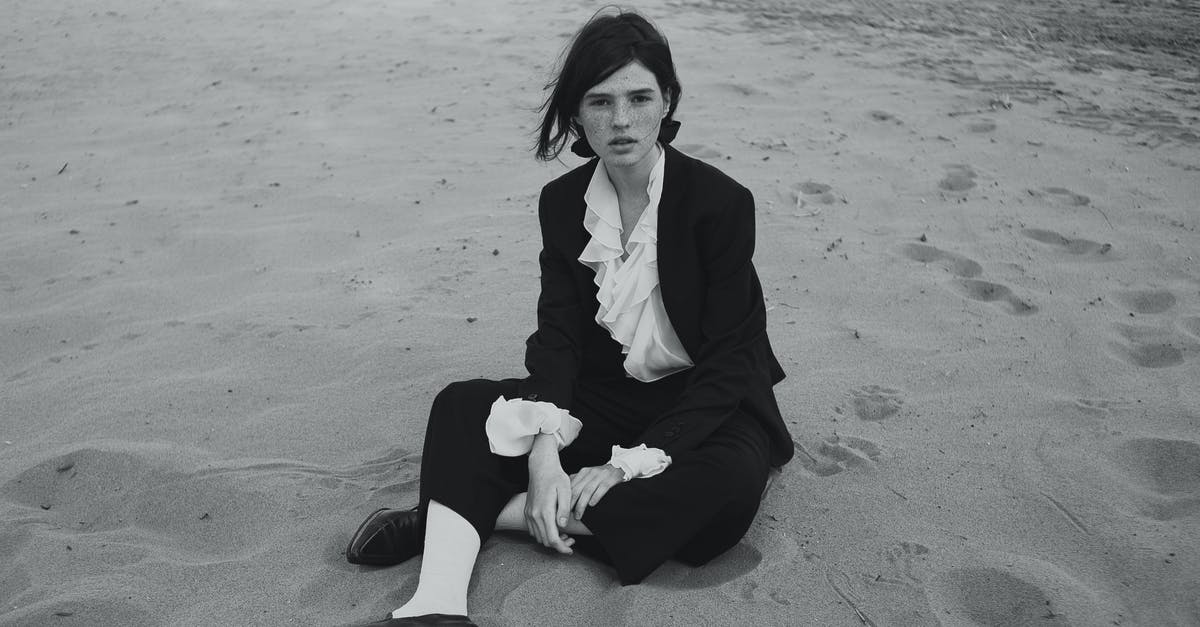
x=622, y=141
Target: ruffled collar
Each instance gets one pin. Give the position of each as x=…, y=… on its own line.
x=627, y=293
x=602, y=220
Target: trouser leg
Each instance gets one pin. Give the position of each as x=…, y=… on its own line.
x=698, y=508
x=458, y=468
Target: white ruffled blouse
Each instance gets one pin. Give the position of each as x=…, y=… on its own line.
x=631, y=305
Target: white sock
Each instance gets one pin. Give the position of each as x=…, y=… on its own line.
x=451, y=546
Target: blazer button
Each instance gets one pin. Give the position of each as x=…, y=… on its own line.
x=671, y=433
x=531, y=397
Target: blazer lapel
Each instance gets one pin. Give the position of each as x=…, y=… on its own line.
x=575, y=207
x=672, y=233
x=670, y=209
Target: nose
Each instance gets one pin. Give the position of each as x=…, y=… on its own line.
x=620, y=117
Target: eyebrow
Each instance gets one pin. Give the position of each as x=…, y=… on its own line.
x=632, y=92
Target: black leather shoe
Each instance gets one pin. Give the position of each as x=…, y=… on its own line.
x=457, y=620
x=388, y=537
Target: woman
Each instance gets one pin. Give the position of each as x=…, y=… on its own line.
x=647, y=425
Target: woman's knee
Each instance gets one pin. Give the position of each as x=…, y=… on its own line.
x=467, y=402
x=737, y=477
x=448, y=395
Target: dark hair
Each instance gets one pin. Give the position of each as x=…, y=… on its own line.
x=604, y=45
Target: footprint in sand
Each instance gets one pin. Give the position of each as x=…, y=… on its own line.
x=959, y=178
x=1147, y=301
x=1066, y=244
x=953, y=263
x=1064, y=196
x=850, y=451
x=1166, y=473
x=1147, y=347
x=815, y=192
x=893, y=592
x=1011, y=589
x=875, y=403
x=904, y=565
x=1150, y=477
x=989, y=596
x=838, y=453
x=988, y=292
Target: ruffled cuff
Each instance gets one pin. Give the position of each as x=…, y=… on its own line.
x=513, y=424
x=639, y=462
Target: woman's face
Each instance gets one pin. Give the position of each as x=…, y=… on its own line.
x=621, y=117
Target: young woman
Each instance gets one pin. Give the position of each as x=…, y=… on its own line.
x=647, y=426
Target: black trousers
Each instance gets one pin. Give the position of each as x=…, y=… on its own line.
x=695, y=510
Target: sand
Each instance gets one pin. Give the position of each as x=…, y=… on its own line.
x=242, y=245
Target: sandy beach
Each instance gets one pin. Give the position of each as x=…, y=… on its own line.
x=243, y=245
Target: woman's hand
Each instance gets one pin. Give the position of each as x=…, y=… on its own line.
x=589, y=485
x=548, y=502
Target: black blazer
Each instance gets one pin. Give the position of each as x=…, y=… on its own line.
x=710, y=290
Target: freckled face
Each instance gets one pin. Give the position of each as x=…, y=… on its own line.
x=621, y=117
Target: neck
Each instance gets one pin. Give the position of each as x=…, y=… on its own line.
x=632, y=180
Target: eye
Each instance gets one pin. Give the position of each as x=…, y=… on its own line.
x=642, y=98
x=597, y=102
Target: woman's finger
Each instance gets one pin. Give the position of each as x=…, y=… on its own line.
x=560, y=544
x=565, y=493
x=555, y=538
x=606, y=482
x=544, y=525
x=580, y=505
x=545, y=519
x=531, y=525
x=577, y=481
x=586, y=487
x=535, y=520
x=599, y=492
x=579, y=484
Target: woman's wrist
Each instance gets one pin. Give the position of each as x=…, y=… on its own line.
x=545, y=446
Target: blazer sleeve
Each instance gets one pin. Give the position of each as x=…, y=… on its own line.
x=553, y=352
x=733, y=357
